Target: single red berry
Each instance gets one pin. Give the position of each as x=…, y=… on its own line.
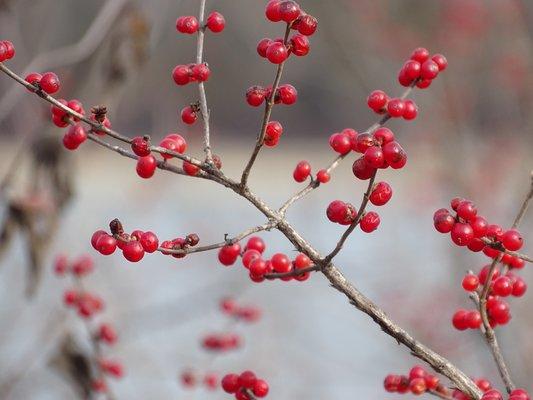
x=394, y=155
x=149, y=242
x=181, y=75
x=229, y=253
x=306, y=24
x=462, y=234
x=272, y=11
x=281, y=263
x=381, y=194
x=300, y=45
x=395, y=107
x=256, y=243
x=417, y=386
x=75, y=136
x=216, y=22
x=512, y=240
x=249, y=256
x=492, y=394
x=362, y=142
x=383, y=136
x=302, y=171
x=263, y=45
x=429, y=70
x=374, y=157
x=107, y=334
x=391, y=383
x=412, y=69
x=470, y=282
x=33, y=78
x=190, y=169
x=247, y=379
x=258, y=267
x=260, y=388
x=336, y=211
x=133, y=251
x=340, y=143
x=417, y=372
x=289, y=10
x=288, y=94
x=200, y=72
x=277, y=53
x=255, y=96
x=369, y=222
x=230, y=383
x=323, y=176
x=146, y=166
x=440, y=60
x=362, y=170
x=420, y=54
x=466, y=210
x=188, y=24
x=473, y=319
x=106, y=244
x=519, y=287
x=479, y=225
x=377, y=100
x=140, y=146
x=410, y=111
x=189, y=115
x=49, y=83
x=459, y=320
x=502, y=286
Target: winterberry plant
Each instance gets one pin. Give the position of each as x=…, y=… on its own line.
x=369, y=150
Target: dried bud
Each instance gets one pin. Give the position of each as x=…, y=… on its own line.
x=99, y=113
x=192, y=239
x=116, y=227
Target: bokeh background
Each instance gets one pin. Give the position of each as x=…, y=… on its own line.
x=473, y=138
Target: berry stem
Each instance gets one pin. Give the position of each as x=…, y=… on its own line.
x=490, y=335
x=266, y=117
x=204, y=110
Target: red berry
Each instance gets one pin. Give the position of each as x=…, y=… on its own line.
x=459, y=320
x=34, y=78
x=383, y=136
x=381, y=194
x=188, y=24
x=181, y=75
x=377, y=100
x=429, y=70
x=374, y=157
x=466, y=210
x=299, y=45
x=258, y=267
x=281, y=263
x=441, y=61
x=229, y=253
x=502, y=286
x=362, y=170
x=250, y=256
x=247, y=379
x=302, y=171
x=189, y=115
x=340, y=143
x=273, y=132
x=412, y=69
x=395, y=107
x=306, y=24
x=473, y=319
x=288, y=94
x=255, y=96
x=462, y=234
x=216, y=22
x=289, y=10
x=262, y=46
x=49, y=83
x=470, y=282
x=140, y=146
x=277, y=53
x=190, y=169
x=394, y=155
x=149, y=241
x=512, y=240
x=273, y=10
x=369, y=222
x=256, y=243
x=75, y=136
x=200, y=72
x=410, y=111
x=417, y=386
x=230, y=383
x=519, y=287
x=133, y=251
x=336, y=211
x=107, y=334
x=420, y=54
x=260, y=388
x=106, y=244
x=146, y=166
x=479, y=225
x=323, y=176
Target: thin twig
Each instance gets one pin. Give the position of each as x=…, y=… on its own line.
x=266, y=118
x=293, y=273
x=204, y=110
x=355, y=222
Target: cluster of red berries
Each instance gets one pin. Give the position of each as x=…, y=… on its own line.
x=278, y=50
x=396, y=107
x=87, y=305
x=285, y=94
x=190, y=378
x=215, y=22
x=252, y=259
x=7, y=50
x=345, y=214
x=467, y=228
x=135, y=244
x=184, y=74
x=421, y=68
x=245, y=384
x=47, y=82
x=417, y=382
x=248, y=314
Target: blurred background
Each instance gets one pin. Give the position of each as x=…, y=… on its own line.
x=473, y=138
